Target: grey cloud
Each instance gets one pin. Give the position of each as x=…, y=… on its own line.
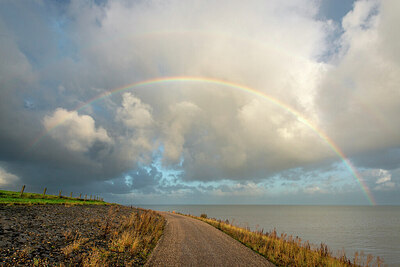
x=388, y=158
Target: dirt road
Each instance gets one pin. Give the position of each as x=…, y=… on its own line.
x=190, y=242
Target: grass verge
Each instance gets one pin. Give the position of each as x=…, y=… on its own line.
x=14, y=198
x=286, y=250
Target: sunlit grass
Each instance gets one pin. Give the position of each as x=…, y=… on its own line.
x=14, y=198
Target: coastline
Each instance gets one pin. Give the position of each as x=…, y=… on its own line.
x=372, y=230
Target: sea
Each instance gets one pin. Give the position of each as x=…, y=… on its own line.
x=371, y=230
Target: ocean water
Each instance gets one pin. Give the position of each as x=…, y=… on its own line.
x=371, y=229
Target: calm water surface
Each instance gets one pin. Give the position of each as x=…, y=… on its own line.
x=373, y=230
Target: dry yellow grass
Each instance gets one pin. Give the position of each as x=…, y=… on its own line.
x=98, y=257
x=132, y=243
x=74, y=246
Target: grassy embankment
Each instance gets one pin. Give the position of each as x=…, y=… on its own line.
x=286, y=250
x=15, y=198
x=129, y=243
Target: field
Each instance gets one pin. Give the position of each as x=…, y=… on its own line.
x=15, y=198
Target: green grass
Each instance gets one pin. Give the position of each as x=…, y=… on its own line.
x=14, y=198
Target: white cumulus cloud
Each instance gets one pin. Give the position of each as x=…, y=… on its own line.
x=75, y=132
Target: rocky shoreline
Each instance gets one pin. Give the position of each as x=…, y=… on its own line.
x=56, y=234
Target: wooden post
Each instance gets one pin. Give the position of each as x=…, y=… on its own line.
x=70, y=195
x=44, y=192
x=80, y=195
x=22, y=190
x=59, y=194
x=85, y=197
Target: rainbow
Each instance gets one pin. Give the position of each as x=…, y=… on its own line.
x=239, y=87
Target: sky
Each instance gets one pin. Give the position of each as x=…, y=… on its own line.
x=202, y=102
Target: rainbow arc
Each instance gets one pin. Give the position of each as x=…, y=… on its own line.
x=335, y=148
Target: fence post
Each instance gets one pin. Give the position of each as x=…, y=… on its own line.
x=22, y=190
x=80, y=195
x=70, y=195
x=85, y=197
x=44, y=192
x=59, y=194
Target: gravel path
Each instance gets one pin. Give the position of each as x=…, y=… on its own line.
x=190, y=242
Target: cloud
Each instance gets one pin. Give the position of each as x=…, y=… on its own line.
x=76, y=132
x=74, y=51
x=137, y=118
x=239, y=190
x=380, y=179
x=181, y=121
x=7, y=179
x=359, y=18
x=383, y=180
x=357, y=99
x=200, y=126
x=314, y=190
x=133, y=113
